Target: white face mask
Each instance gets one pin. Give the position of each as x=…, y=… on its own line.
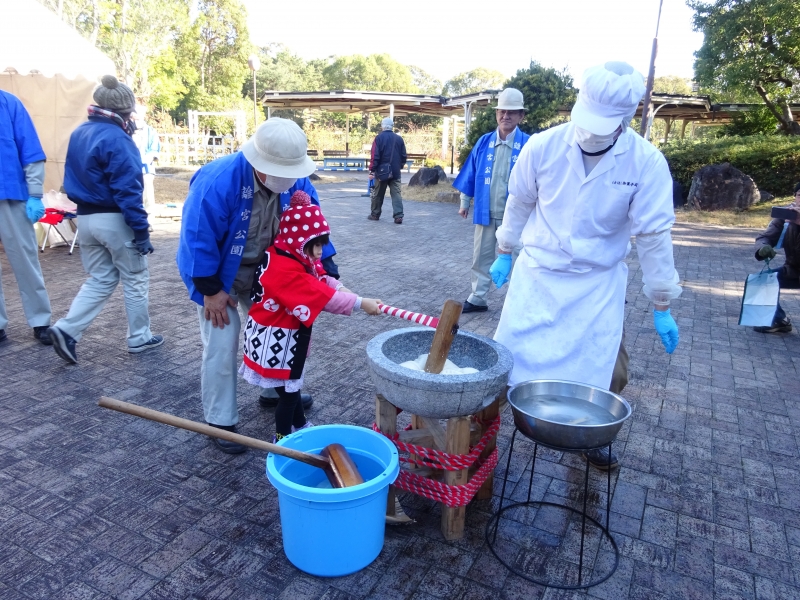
x=590, y=142
x=276, y=184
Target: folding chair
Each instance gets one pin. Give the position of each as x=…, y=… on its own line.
x=55, y=216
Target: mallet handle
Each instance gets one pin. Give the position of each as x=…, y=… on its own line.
x=409, y=316
x=314, y=460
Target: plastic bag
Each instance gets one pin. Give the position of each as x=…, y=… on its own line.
x=760, y=299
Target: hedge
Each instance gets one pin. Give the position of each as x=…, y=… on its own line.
x=773, y=161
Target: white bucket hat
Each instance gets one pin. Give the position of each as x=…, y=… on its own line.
x=510, y=99
x=279, y=148
x=609, y=93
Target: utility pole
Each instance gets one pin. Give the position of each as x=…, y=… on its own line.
x=651, y=75
x=255, y=64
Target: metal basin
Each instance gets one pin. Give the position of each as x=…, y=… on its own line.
x=566, y=414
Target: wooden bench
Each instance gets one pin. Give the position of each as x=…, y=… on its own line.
x=334, y=153
x=412, y=158
x=314, y=154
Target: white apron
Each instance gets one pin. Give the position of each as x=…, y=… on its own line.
x=563, y=325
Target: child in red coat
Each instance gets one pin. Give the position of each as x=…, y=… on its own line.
x=290, y=292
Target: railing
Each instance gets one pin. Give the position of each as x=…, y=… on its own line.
x=186, y=149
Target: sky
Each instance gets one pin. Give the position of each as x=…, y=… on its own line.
x=446, y=38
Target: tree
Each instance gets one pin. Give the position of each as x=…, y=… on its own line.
x=212, y=59
x=473, y=81
x=544, y=91
x=130, y=32
x=752, y=44
x=424, y=81
x=672, y=84
x=376, y=72
x=283, y=70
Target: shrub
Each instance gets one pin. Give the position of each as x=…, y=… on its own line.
x=772, y=161
x=544, y=90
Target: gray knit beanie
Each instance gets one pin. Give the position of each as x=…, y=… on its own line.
x=114, y=95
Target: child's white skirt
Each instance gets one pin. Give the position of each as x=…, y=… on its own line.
x=253, y=378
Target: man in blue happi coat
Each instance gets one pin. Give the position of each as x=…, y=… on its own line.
x=230, y=218
x=22, y=167
x=484, y=177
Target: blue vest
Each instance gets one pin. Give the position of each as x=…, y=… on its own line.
x=19, y=147
x=216, y=217
x=475, y=177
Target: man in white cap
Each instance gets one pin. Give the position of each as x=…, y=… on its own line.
x=579, y=192
x=230, y=218
x=484, y=176
x=387, y=159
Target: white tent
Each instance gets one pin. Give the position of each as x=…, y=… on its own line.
x=53, y=70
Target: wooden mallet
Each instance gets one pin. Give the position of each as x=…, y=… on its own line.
x=334, y=459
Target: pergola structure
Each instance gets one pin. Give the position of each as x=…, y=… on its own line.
x=356, y=102
x=671, y=108
x=697, y=111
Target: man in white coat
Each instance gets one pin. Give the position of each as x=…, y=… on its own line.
x=577, y=195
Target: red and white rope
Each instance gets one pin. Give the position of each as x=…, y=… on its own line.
x=409, y=316
x=450, y=495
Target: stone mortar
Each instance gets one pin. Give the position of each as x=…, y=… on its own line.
x=432, y=395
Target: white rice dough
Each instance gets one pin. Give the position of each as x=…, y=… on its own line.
x=450, y=368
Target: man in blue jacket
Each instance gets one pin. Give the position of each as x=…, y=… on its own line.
x=484, y=176
x=22, y=169
x=230, y=218
x=103, y=176
x=388, y=157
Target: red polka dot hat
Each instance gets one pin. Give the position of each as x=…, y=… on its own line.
x=300, y=222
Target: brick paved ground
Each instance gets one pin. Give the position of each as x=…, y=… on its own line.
x=94, y=504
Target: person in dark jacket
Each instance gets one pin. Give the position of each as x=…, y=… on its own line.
x=22, y=167
x=789, y=273
x=388, y=158
x=103, y=176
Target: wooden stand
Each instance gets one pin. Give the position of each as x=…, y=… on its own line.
x=455, y=438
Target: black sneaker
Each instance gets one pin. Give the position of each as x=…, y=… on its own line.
x=40, y=333
x=270, y=402
x=226, y=446
x=154, y=342
x=470, y=307
x=3, y=336
x=63, y=344
x=783, y=326
x=599, y=459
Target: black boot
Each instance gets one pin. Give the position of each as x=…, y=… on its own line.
x=599, y=459
x=226, y=446
x=270, y=400
x=40, y=333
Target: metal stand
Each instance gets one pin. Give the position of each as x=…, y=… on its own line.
x=494, y=521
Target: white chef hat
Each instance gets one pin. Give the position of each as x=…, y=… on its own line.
x=609, y=93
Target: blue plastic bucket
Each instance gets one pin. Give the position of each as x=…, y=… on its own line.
x=333, y=532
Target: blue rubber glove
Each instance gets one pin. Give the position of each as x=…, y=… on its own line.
x=35, y=209
x=144, y=246
x=667, y=329
x=501, y=267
